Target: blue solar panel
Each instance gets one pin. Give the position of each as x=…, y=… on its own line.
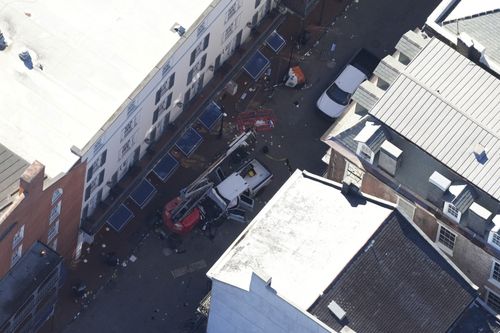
x=275, y=41
x=120, y=217
x=256, y=66
x=210, y=115
x=189, y=141
x=143, y=193
x=166, y=167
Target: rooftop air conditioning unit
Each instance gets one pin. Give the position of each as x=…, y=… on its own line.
x=389, y=157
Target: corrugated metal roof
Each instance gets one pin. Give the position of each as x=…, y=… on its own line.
x=367, y=95
x=446, y=105
x=388, y=69
x=483, y=28
x=411, y=43
x=11, y=168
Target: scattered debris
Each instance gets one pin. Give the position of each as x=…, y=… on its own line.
x=132, y=258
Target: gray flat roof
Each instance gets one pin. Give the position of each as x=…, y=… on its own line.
x=20, y=282
x=447, y=105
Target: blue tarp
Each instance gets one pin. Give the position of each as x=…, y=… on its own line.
x=166, y=167
x=120, y=217
x=257, y=65
x=210, y=115
x=189, y=141
x=143, y=193
x=275, y=41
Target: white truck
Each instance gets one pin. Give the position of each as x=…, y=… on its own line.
x=204, y=201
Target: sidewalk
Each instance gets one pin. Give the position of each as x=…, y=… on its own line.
x=91, y=268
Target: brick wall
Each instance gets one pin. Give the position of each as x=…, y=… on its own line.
x=426, y=221
x=33, y=207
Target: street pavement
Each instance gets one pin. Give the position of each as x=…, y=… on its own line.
x=160, y=290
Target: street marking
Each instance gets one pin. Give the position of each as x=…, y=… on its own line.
x=195, y=266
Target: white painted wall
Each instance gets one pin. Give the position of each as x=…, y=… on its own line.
x=259, y=310
x=223, y=28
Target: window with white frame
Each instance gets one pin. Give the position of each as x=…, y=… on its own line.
x=164, y=88
x=365, y=152
x=53, y=245
x=18, y=237
x=446, y=238
x=126, y=147
x=128, y=128
x=98, y=163
x=56, y=195
x=495, y=272
x=199, y=48
x=196, y=69
x=55, y=212
x=493, y=301
x=53, y=231
x=495, y=239
x=16, y=255
x=406, y=208
x=353, y=174
x=94, y=184
x=452, y=212
x=229, y=30
x=233, y=9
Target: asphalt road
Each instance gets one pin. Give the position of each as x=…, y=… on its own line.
x=159, y=292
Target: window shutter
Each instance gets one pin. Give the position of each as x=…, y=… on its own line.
x=103, y=157
x=90, y=173
x=203, y=61
x=155, y=115
x=193, y=57
x=169, y=101
x=206, y=41
x=171, y=81
x=101, y=177
x=158, y=96
x=87, y=193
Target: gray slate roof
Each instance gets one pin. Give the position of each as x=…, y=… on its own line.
x=483, y=27
x=367, y=95
x=411, y=43
x=464, y=199
x=388, y=69
x=446, y=105
x=11, y=168
x=397, y=283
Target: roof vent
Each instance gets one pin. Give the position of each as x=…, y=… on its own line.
x=3, y=43
x=26, y=59
x=336, y=310
x=480, y=153
x=178, y=29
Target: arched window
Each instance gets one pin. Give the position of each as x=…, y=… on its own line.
x=56, y=195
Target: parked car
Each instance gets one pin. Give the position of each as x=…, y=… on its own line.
x=337, y=96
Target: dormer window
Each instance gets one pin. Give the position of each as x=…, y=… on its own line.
x=369, y=140
x=494, y=236
x=366, y=153
x=457, y=201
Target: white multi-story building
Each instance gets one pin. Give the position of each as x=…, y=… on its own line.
x=97, y=82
